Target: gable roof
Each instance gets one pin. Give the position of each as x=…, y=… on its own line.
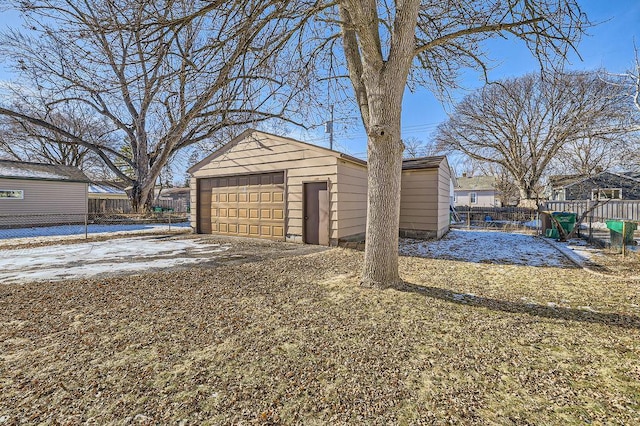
x=562, y=180
x=106, y=188
x=423, y=162
x=477, y=183
x=165, y=192
x=260, y=134
x=565, y=181
x=10, y=169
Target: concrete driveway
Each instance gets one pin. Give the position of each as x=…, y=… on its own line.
x=135, y=255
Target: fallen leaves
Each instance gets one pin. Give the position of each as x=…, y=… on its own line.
x=296, y=340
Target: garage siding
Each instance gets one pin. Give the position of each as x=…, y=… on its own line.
x=418, y=201
x=424, y=202
x=351, y=197
x=444, y=199
x=193, y=199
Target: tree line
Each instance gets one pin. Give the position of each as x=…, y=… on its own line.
x=522, y=129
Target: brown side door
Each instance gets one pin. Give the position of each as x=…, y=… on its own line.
x=204, y=206
x=316, y=213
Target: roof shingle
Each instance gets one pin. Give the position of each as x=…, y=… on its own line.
x=39, y=171
x=478, y=183
x=422, y=162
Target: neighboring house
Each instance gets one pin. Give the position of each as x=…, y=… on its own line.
x=453, y=183
x=107, y=190
x=603, y=185
x=108, y=197
x=476, y=191
x=267, y=186
x=39, y=194
x=176, y=198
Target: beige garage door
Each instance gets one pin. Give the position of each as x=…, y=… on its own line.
x=250, y=206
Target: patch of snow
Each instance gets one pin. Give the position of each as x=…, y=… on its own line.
x=99, y=258
x=95, y=188
x=486, y=247
x=17, y=172
x=458, y=297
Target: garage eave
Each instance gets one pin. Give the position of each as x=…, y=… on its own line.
x=250, y=132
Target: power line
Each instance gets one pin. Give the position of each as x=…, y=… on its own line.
x=418, y=128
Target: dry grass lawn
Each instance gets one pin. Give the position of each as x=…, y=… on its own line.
x=297, y=341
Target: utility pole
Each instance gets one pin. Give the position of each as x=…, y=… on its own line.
x=329, y=128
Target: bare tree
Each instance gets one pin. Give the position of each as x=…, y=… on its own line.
x=632, y=77
x=388, y=45
x=158, y=90
x=587, y=156
x=23, y=141
x=522, y=124
x=414, y=148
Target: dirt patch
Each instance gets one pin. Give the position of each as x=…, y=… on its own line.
x=608, y=261
x=295, y=340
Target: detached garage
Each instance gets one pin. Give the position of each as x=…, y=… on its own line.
x=266, y=186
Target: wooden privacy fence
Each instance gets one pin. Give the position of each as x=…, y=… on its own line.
x=99, y=205
x=612, y=209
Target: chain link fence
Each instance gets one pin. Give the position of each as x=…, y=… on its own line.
x=496, y=218
x=64, y=224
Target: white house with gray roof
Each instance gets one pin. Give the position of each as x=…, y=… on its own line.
x=40, y=194
x=476, y=191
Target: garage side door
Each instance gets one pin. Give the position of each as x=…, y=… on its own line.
x=204, y=206
x=249, y=206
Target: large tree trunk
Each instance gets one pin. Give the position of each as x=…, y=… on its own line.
x=379, y=84
x=141, y=198
x=385, y=149
x=383, y=211
x=527, y=200
x=142, y=194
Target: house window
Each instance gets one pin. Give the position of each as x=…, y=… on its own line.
x=473, y=198
x=13, y=194
x=606, y=194
x=558, y=195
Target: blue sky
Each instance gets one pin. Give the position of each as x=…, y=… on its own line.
x=609, y=45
